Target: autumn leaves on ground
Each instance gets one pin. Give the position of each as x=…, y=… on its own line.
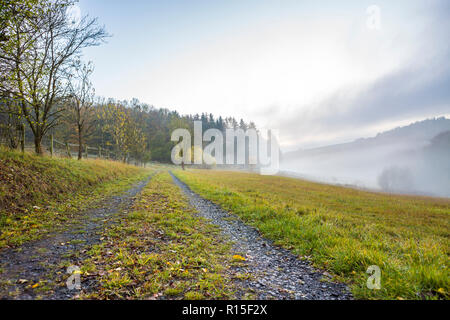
x=160, y=249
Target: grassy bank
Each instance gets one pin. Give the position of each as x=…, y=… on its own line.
x=38, y=194
x=160, y=250
x=343, y=230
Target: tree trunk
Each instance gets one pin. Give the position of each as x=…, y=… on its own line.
x=80, y=144
x=38, y=144
x=13, y=142
x=22, y=137
x=80, y=150
x=11, y=132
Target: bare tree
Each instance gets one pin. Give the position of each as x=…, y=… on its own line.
x=80, y=111
x=42, y=59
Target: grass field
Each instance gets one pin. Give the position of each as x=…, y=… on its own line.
x=343, y=230
x=161, y=247
x=38, y=194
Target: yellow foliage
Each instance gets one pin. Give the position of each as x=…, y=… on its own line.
x=237, y=257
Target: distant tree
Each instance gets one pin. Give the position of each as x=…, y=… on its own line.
x=233, y=123
x=128, y=136
x=243, y=125
x=220, y=124
x=204, y=120
x=115, y=122
x=396, y=179
x=80, y=103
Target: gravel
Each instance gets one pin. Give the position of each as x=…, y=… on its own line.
x=275, y=273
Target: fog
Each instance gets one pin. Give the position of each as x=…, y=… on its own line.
x=420, y=168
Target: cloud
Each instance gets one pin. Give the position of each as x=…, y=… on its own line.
x=418, y=88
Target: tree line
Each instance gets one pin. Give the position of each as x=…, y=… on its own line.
x=45, y=88
x=139, y=131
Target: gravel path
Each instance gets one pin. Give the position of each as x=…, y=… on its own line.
x=275, y=272
x=45, y=261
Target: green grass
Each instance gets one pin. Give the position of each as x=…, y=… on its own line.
x=343, y=230
x=161, y=250
x=41, y=194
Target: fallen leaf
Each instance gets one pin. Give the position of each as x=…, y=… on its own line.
x=238, y=258
x=441, y=291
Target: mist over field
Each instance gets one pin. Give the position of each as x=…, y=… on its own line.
x=413, y=160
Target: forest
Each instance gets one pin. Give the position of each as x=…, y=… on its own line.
x=46, y=90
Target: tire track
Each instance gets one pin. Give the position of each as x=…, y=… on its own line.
x=40, y=262
x=275, y=272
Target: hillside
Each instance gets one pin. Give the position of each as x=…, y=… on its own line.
x=34, y=190
x=366, y=162
x=416, y=134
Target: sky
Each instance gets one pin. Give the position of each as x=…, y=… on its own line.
x=321, y=72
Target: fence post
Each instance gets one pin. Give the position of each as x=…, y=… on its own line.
x=87, y=152
x=51, y=145
x=99, y=151
x=68, y=150
x=22, y=138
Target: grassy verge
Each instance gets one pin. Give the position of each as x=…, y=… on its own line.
x=343, y=230
x=40, y=194
x=160, y=250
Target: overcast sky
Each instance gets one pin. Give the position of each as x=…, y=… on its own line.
x=315, y=70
